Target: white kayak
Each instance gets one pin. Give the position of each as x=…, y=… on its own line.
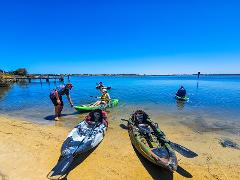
x=81, y=139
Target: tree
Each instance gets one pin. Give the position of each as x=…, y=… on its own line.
x=20, y=72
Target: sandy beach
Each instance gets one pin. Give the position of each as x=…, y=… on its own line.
x=29, y=151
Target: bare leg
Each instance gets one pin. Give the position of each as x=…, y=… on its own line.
x=60, y=111
x=97, y=103
x=103, y=102
x=57, y=112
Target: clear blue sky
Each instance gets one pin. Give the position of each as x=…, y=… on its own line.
x=90, y=36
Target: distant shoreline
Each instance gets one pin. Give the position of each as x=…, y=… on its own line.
x=151, y=74
x=127, y=75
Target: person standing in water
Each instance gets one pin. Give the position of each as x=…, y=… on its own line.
x=181, y=92
x=56, y=97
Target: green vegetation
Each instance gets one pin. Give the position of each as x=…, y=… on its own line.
x=20, y=72
x=7, y=78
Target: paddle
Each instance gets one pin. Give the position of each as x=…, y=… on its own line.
x=94, y=96
x=104, y=87
x=179, y=148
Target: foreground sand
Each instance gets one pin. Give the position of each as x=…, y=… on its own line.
x=29, y=151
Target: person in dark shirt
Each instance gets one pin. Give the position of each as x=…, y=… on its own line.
x=100, y=85
x=56, y=97
x=181, y=92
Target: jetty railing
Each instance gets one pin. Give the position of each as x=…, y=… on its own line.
x=39, y=77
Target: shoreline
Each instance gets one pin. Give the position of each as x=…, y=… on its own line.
x=9, y=76
x=29, y=151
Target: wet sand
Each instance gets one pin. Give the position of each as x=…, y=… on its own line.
x=29, y=151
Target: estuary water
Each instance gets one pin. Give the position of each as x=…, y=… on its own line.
x=214, y=101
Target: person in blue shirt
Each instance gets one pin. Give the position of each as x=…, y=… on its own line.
x=56, y=97
x=181, y=92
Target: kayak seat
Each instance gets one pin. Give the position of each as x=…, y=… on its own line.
x=161, y=152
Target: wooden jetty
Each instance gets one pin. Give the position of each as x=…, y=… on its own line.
x=47, y=78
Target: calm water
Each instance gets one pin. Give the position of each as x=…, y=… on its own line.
x=214, y=100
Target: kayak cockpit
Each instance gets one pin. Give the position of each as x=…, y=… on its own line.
x=147, y=143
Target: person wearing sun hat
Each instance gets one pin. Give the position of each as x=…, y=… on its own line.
x=105, y=98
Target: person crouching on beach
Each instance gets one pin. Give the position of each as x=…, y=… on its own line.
x=56, y=97
x=105, y=98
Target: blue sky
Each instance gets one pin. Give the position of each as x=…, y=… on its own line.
x=152, y=37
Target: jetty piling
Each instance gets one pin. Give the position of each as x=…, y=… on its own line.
x=198, y=75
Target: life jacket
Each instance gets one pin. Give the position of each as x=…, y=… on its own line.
x=62, y=90
x=105, y=97
x=104, y=118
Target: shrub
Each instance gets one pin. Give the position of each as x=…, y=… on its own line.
x=20, y=72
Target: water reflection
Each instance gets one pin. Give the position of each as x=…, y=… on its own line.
x=217, y=98
x=23, y=83
x=3, y=91
x=180, y=104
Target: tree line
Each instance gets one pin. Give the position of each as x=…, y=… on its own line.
x=18, y=72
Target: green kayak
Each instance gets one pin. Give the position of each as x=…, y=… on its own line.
x=185, y=98
x=148, y=144
x=90, y=107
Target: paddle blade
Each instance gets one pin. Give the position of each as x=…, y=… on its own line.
x=183, y=150
x=93, y=96
x=59, y=171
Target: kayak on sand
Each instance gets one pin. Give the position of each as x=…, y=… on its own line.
x=152, y=144
x=84, y=137
x=99, y=87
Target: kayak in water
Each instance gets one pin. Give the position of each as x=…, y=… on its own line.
x=90, y=107
x=104, y=87
x=185, y=98
x=101, y=86
x=151, y=142
x=84, y=137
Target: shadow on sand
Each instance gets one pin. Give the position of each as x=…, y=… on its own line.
x=77, y=161
x=183, y=172
x=155, y=171
x=159, y=173
x=51, y=117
